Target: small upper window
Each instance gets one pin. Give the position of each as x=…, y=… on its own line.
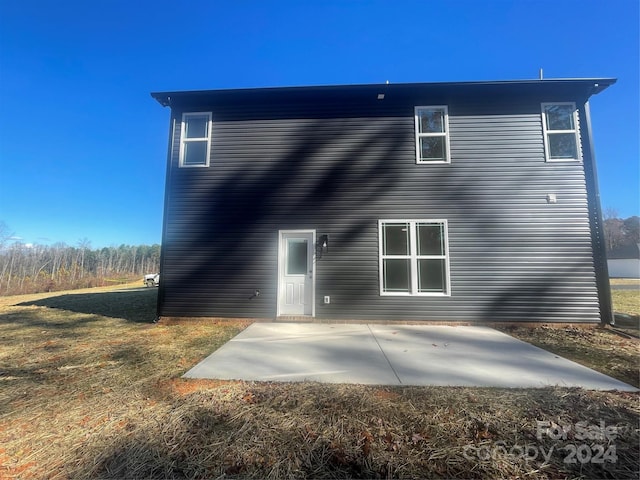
x=432, y=134
x=559, y=122
x=195, y=139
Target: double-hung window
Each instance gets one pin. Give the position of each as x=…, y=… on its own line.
x=195, y=138
x=414, y=257
x=432, y=134
x=559, y=124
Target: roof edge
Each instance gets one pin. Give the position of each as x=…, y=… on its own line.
x=598, y=85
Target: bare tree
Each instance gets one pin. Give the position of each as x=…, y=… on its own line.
x=612, y=228
x=5, y=234
x=631, y=228
x=84, y=244
x=620, y=232
x=26, y=268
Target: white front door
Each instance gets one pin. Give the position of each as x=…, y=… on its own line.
x=296, y=272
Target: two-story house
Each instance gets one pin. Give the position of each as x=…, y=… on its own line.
x=445, y=202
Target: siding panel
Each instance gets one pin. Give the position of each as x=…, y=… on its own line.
x=513, y=256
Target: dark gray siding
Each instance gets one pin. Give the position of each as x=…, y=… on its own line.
x=339, y=169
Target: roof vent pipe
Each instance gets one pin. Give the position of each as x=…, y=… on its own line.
x=541, y=74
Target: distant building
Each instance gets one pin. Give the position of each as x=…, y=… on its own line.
x=436, y=202
x=624, y=262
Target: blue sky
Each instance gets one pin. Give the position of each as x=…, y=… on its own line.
x=83, y=145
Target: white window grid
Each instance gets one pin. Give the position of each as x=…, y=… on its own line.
x=445, y=134
x=575, y=131
x=414, y=257
x=184, y=140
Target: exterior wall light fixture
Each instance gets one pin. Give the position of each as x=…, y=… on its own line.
x=322, y=245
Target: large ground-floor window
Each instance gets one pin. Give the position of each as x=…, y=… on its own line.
x=414, y=257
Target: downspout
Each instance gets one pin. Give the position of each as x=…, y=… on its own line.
x=161, y=288
x=595, y=220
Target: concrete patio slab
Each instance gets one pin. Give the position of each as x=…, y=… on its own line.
x=393, y=355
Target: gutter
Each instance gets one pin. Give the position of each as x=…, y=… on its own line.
x=167, y=184
x=595, y=221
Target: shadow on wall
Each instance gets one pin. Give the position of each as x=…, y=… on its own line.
x=137, y=306
x=322, y=169
x=526, y=297
x=297, y=186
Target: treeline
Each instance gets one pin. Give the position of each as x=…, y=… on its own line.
x=39, y=268
x=620, y=232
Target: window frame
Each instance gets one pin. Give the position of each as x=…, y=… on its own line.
x=184, y=140
x=575, y=131
x=445, y=134
x=414, y=257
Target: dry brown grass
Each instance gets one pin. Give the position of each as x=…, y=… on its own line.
x=90, y=388
x=624, y=281
x=598, y=348
x=626, y=302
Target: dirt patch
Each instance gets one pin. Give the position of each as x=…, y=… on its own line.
x=181, y=387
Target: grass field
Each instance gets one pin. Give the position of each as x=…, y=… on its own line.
x=626, y=301
x=91, y=388
x=625, y=281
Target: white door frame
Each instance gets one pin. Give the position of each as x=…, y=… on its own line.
x=281, y=266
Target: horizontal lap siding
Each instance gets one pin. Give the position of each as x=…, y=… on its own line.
x=513, y=256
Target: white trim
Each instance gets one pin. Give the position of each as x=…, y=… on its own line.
x=173, y=142
x=575, y=131
x=414, y=257
x=281, y=253
x=184, y=140
x=445, y=134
